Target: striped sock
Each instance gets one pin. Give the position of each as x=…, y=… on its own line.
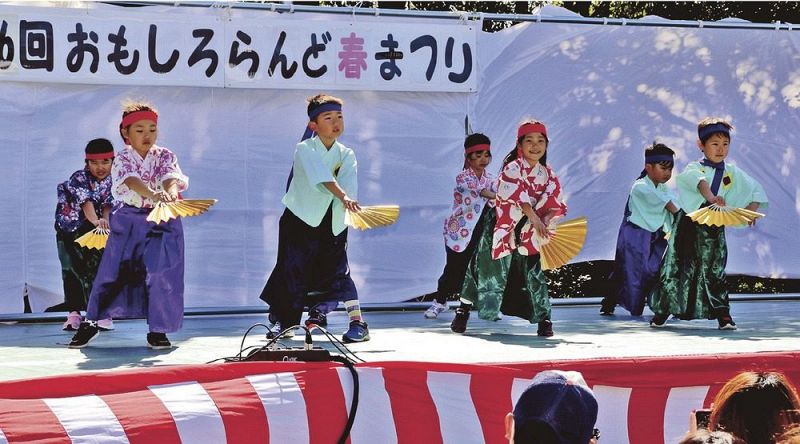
x=353, y=310
x=465, y=302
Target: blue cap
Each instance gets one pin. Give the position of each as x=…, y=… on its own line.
x=561, y=400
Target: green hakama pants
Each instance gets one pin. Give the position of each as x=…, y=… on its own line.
x=691, y=281
x=514, y=284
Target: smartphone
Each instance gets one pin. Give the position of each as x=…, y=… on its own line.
x=702, y=416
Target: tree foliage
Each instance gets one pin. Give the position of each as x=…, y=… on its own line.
x=758, y=12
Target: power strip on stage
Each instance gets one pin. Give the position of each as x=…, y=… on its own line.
x=316, y=354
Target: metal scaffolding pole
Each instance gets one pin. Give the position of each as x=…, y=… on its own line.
x=465, y=15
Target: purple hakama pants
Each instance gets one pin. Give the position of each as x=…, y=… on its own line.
x=141, y=273
x=636, y=266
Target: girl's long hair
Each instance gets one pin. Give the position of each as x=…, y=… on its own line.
x=754, y=406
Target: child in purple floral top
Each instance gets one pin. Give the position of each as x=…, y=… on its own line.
x=474, y=192
x=141, y=273
x=84, y=202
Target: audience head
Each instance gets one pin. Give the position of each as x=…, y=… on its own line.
x=755, y=406
x=558, y=407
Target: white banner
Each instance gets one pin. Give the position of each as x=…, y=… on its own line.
x=142, y=48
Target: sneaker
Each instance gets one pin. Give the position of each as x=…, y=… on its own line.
x=158, y=341
x=726, y=323
x=658, y=321
x=73, y=321
x=435, y=310
x=316, y=318
x=273, y=334
x=545, y=328
x=606, y=308
x=459, y=324
x=358, y=332
x=86, y=332
x=105, y=324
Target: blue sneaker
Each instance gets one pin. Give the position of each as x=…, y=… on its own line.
x=316, y=318
x=358, y=332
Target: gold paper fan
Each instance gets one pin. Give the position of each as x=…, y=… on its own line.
x=564, y=243
x=716, y=215
x=164, y=211
x=96, y=239
x=372, y=216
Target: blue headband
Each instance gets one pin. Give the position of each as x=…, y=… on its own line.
x=324, y=108
x=659, y=158
x=708, y=130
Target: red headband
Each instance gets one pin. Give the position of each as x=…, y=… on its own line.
x=478, y=147
x=531, y=128
x=100, y=156
x=136, y=116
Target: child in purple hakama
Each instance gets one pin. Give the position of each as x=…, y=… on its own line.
x=641, y=241
x=141, y=273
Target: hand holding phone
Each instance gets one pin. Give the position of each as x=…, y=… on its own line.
x=701, y=417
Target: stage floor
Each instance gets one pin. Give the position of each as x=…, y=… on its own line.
x=37, y=349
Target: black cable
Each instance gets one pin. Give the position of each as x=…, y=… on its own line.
x=308, y=345
x=351, y=417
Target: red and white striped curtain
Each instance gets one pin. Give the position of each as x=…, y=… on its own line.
x=642, y=400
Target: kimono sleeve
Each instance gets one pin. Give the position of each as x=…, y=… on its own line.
x=107, y=199
x=168, y=168
x=647, y=204
x=78, y=187
x=312, y=164
x=691, y=176
x=122, y=168
x=743, y=190
x=348, y=174
x=511, y=186
x=550, y=201
x=644, y=195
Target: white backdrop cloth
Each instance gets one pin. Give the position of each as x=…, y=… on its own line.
x=604, y=92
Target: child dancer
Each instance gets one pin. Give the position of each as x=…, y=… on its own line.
x=141, y=273
x=505, y=274
x=692, y=278
x=462, y=230
x=312, y=267
x=641, y=241
x=84, y=203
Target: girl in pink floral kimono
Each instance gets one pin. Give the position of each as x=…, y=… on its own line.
x=141, y=273
x=472, y=196
x=506, y=275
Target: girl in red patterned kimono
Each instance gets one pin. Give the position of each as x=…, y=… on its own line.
x=527, y=202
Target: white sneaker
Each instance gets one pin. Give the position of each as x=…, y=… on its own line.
x=105, y=324
x=435, y=310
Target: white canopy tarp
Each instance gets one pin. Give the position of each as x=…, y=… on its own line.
x=604, y=92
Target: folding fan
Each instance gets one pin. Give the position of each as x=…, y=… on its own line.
x=372, y=216
x=723, y=216
x=164, y=211
x=96, y=239
x=565, y=242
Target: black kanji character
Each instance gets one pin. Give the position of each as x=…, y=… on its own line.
x=286, y=71
x=36, y=45
x=76, y=54
x=6, y=47
x=422, y=41
x=155, y=66
x=201, y=53
x=314, y=51
x=118, y=55
x=389, y=68
x=448, y=61
x=236, y=58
